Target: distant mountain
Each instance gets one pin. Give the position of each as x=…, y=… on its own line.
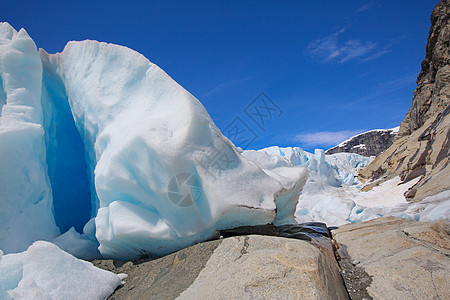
x=370, y=143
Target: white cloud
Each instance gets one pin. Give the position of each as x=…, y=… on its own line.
x=325, y=138
x=331, y=48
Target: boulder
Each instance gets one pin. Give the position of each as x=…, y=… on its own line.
x=399, y=258
x=239, y=267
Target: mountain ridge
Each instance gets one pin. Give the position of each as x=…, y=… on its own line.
x=369, y=143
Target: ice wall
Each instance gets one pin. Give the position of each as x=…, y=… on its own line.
x=25, y=191
x=111, y=136
x=145, y=131
x=331, y=170
x=329, y=193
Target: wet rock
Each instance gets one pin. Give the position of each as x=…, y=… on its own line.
x=303, y=231
x=268, y=229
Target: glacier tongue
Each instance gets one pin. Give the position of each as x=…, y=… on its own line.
x=332, y=193
x=326, y=196
x=101, y=132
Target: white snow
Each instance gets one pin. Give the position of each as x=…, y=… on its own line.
x=44, y=271
x=144, y=130
x=362, y=146
x=433, y=208
x=387, y=194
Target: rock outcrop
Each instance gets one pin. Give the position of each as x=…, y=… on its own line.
x=385, y=258
x=397, y=258
x=370, y=143
x=422, y=147
x=240, y=267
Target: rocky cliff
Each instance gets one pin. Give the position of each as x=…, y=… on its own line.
x=370, y=143
x=432, y=94
x=422, y=147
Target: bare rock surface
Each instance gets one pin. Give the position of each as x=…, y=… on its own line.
x=402, y=259
x=163, y=278
x=239, y=267
x=425, y=153
x=432, y=94
x=265, y=267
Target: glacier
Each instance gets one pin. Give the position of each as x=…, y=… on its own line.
x=332, y=193
x=100, y=144
x=103, y=155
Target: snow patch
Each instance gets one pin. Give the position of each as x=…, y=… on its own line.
x=44, y=271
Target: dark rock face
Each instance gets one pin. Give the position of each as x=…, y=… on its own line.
x=432, y=94
x=422, y=147
x=371, y=143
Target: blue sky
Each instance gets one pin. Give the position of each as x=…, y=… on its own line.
x=287, y=73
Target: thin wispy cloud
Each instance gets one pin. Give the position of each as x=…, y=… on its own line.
x=226, y=85
x=325, y=138
x=376, y=54
x=365, y=7
x=333, y=49
x=384, y=89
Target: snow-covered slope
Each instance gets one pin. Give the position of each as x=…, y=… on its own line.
x=98, y=131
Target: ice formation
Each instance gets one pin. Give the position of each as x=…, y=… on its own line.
x=46, y=272
x=332, y=193
x=25, y=191
x=100, y=139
